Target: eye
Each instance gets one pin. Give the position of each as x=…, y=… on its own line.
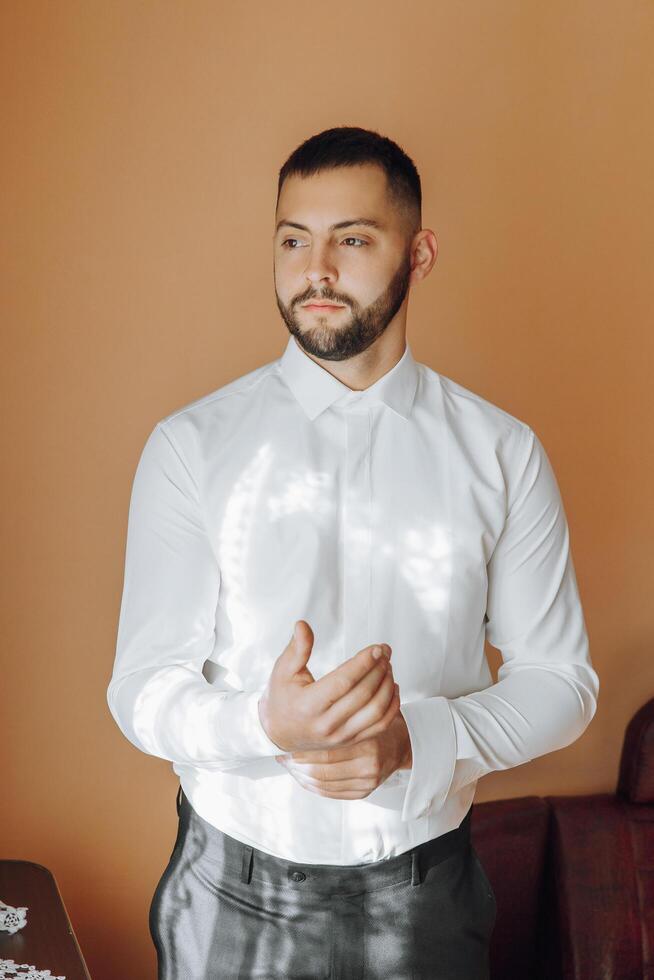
x=285, y=243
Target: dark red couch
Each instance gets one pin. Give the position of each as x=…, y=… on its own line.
x=573, y=876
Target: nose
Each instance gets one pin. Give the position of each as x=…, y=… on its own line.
x=319, y=266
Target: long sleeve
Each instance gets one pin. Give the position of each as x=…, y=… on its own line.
x=158, y=695
x=546, y=692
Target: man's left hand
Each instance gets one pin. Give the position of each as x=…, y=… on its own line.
x=352, y=772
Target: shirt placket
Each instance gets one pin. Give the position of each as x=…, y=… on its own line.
x=357, y=532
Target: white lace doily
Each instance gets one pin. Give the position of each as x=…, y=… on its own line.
x=9, y=970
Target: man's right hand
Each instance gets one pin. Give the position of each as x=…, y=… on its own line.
x=355, y=701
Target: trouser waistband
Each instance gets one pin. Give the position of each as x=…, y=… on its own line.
x=234, y=857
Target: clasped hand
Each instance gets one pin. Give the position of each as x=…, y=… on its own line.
x=352, y=772
x=340, y=736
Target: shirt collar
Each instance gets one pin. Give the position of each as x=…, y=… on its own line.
x=316, y=389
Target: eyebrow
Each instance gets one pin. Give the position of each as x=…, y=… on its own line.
x=368, y=222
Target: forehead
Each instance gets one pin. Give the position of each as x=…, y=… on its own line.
x=339, y=192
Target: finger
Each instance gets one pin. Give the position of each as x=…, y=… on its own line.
x=359, y=785
x=355, y=783
x=380, y=726
x=324, y=693
x=369, y=693
x=354, y=795
x=369, y=720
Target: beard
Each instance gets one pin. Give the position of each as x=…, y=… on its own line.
x=345, y=340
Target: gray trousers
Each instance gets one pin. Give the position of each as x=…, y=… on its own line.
x=223, y=910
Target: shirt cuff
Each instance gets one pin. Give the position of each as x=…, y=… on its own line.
x=433, y=745
x=239, y=715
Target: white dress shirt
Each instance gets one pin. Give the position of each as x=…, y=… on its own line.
x=414, y=513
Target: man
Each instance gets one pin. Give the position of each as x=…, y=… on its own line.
x=356, y=499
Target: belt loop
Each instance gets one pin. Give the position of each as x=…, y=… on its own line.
x=415, y=867
x=246, y=867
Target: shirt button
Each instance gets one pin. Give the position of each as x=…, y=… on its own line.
x=298, y=876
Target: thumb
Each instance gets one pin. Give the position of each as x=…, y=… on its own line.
x=298, y=651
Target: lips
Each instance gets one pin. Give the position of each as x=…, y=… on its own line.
x=326, y=306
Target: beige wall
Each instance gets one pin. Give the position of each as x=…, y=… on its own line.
x=141, y=144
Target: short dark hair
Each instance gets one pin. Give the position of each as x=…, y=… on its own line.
x=346, y=146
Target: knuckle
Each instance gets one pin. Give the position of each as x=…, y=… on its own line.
x=342, y=684
x=387, y=721
x=380, y=714
x=322, y=727
x=374, y=770
x=333, y=735
x=382, y=708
